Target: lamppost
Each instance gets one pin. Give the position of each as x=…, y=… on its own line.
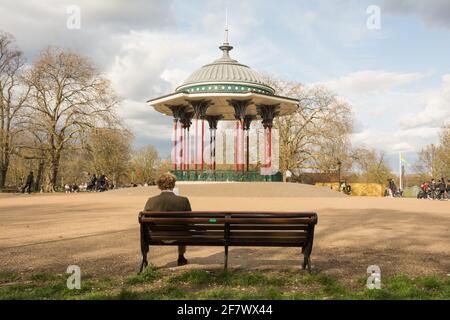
x=339, y=163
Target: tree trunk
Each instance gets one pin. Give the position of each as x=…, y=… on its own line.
x=40, y=173
x=54, y=170
x=4, y=164
x=3, y=172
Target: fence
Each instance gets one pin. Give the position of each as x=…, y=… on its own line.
x=226, y=176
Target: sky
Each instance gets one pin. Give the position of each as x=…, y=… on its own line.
x=395, y=74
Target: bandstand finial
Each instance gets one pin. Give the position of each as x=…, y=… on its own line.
x=226, y=26
x=226, y=48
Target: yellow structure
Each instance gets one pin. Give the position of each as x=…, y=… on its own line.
x=359, y=189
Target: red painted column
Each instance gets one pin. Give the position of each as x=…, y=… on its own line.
x=203, y=146
x=265, y=152
x=242, y=146
x=247, y=154
x=210, y=148
x=182, y=149
x=188, y=150
x=175, y=137
x=214, y=150
x=236, y=149
x=195, y=144
x=270, y=152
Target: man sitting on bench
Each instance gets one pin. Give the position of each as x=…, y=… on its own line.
x=168, y=201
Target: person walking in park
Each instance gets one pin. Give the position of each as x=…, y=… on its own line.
x=433, y=189
x=101, y=183
x=392, y=188
x=168, y=201
x=441, y=189
x=447, y=189
x=92, y=182
x=29, y=183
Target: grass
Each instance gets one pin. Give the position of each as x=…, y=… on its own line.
x=156, y=284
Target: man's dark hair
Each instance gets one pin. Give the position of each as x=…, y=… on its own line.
x=166, y=182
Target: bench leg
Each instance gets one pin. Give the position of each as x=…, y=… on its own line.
x=226, y=258
x=144, y=263
x=307, y=260
x=307, y=263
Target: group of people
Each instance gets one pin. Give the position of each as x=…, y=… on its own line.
x=392, y=191
x=345, y=188
x=435, y=190
x=94, y=184
x=99, y=184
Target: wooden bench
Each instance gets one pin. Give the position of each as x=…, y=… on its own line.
x=228, y=229
x=10, y=190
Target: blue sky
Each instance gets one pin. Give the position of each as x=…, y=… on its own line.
x=397, y=78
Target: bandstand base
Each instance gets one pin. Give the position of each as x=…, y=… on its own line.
x=225, y=176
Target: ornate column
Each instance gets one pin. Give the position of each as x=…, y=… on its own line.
x=177, y=111
x=268, y=114
x=247, y=123
x=240, y=109
x=213, y=122
x=186, y=122
x=200, y=108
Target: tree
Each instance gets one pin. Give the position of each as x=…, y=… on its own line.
x=372, y=165
x=144, y=165
x=68, y=97
x=13, y=96
x=434, y=160
x=110, y=151
x=317, y=135
x=444, y=153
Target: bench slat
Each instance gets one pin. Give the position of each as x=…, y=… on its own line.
x=233, y=234
x=227, y=220
x=221, y=227
x=185, y=237
x=274, y=227
x=179, y=220
x=175, y=227
x=199, y=243
x=216, y=243
x=275, y=239
x=186, y=233
x=257, y=221
x=267, y=234
x=224, y=214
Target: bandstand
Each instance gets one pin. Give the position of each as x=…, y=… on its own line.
x=224, y=90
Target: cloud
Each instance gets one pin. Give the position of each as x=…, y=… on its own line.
x=436, y=110
x=148, y=126
x=392, y=115
x=435, y=13
x=371, y=81
x=37, y=24
x=149, y=64
x=405, y=140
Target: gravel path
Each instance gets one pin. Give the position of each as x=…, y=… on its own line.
x=100, y=232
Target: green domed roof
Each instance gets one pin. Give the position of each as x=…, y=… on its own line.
x=225, y=75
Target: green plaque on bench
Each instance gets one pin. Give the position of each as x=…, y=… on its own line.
x=213, y=221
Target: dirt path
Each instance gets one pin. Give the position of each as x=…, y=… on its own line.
x=99, y=232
